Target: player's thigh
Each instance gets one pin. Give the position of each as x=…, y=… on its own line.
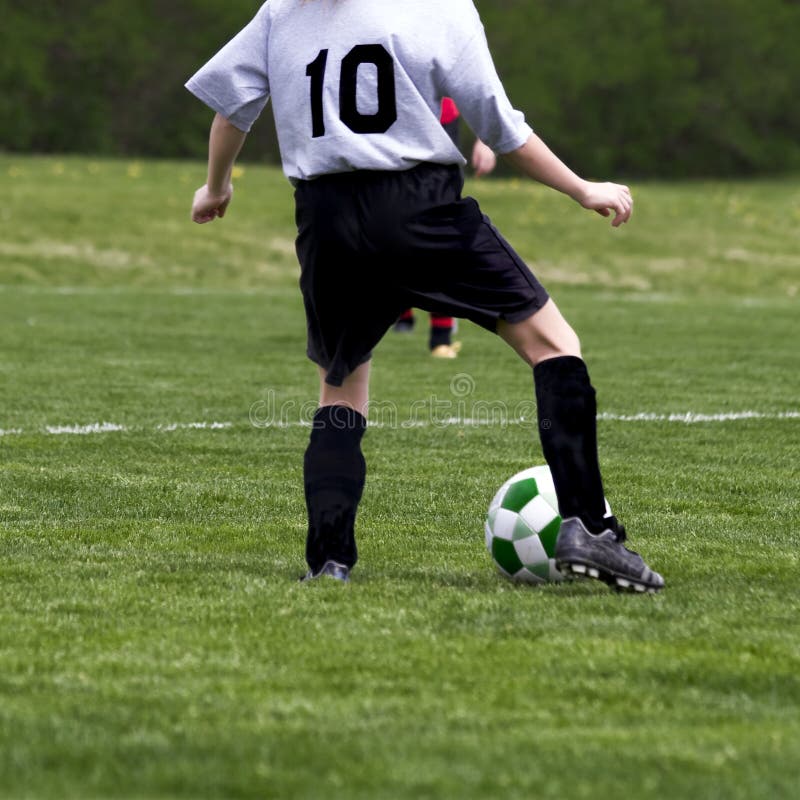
x=462, y=266
x=545, y=334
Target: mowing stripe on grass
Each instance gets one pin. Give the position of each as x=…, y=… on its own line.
x=620, y=296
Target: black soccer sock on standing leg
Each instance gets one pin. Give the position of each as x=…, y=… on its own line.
x=334, y=472
x=567, y=412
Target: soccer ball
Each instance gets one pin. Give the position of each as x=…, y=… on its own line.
x=522, y=527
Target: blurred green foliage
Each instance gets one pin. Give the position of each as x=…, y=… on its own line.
x=656, y=87
x=644, y=87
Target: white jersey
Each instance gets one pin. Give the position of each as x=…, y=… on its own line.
x=358, y=84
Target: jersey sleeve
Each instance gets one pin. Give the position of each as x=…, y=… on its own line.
x=235, y=82
x=472, y=81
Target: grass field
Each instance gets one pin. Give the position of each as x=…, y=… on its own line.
x=153, y=640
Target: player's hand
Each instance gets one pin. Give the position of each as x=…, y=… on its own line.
x=605, y=198
x=483, y=159
x=207, y=206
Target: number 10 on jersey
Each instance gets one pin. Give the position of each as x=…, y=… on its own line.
x=383, y=118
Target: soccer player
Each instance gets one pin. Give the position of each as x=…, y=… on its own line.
x=356, y=87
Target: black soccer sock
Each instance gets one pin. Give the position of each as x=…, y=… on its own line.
x=405, y=322
x=567, y=412
x=441, y=331
x=334, y=471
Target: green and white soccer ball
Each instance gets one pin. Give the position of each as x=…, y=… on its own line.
x=522, y=527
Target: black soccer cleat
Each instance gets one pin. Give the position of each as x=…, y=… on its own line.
x=603, y=556
x=333, y=569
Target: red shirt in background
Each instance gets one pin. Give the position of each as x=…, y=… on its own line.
x=450, y=112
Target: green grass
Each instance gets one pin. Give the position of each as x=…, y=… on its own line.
x=153, y=642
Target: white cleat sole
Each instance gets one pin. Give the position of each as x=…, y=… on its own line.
x=614, y=581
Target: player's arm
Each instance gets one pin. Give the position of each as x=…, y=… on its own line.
x=224, y=144
x=483, y=158
x=536, y=160
x=473, y=83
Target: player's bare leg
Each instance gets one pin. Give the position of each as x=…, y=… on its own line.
x=545, y=334
x=589, y=542
x=353, y=393
x=334, y=471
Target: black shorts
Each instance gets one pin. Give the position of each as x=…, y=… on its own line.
x=372, y=244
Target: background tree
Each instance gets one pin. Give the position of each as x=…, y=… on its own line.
x=645, y=87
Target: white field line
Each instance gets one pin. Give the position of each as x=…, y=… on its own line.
x=688, y=418
x=83, y=430
x=111, y=427
x=194, y=426
x=691, y=418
